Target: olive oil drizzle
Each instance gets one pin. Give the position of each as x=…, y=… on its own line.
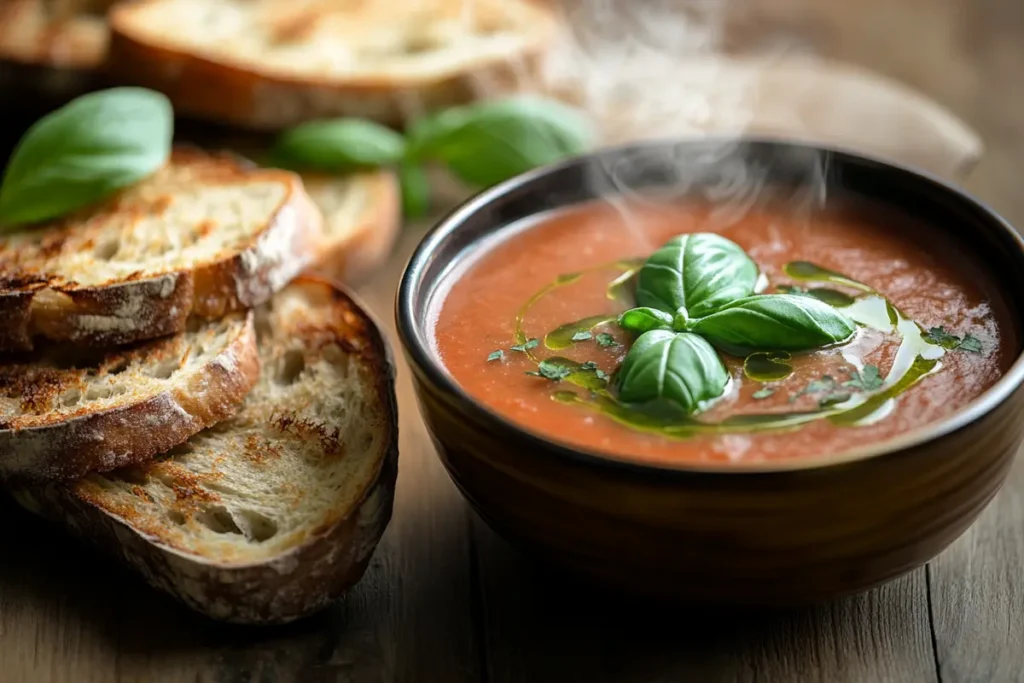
x=562, y=337
x=916, y=358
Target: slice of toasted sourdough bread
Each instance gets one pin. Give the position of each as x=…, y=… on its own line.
x=267, y=64
x=67, y=412
x=268, y=516
x=361, y=210
x=51, y=47
x=205, y=235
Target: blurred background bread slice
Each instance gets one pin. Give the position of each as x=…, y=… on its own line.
x=52, y=49
x=268, y=64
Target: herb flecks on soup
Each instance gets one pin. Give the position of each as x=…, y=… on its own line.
x=763, y=340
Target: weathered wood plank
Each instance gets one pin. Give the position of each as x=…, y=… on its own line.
x=977, y=593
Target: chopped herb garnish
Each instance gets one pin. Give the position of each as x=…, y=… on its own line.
x=582, y=336
x=939, y=336
x=606, y=340
x=589, y=365
x=551, y=370
x=834, y=399
x=971, y=344
x=496, y=355
x=525, y=346
x=764, y=393
x=817, y=386
x=868, y=379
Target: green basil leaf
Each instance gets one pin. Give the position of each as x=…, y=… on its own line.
x=415, y=190
x=645, y=319
x=677, y=367
x=775, y=322
x=699, y=273
x=84, y=152
x=970, y=343
x=487, y=143
x=338, y=145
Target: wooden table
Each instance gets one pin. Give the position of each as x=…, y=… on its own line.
x=445, y=601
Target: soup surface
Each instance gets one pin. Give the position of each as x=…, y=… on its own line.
x=931, y=332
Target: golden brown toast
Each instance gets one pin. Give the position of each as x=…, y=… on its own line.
x=268, y=64
x=272, y=514
x=65, y=412
x=206, y=235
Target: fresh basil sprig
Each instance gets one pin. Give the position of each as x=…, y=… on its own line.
x=696, y=273
x=481, y=144
x=679, y=368
x=696, y=291
x=84, y=152
x=775, y=322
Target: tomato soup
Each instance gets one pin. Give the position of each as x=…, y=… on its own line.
x=872, y=325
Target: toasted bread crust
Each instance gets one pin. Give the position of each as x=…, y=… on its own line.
x=258, y=98
x=68, y=447
x=369, y=243
x=293, y=240
x=292, y=585
x=131, y=309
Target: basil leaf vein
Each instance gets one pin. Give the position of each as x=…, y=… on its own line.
x=677, y=367
x=84, y=152
x=775, y=322
x=699, y=273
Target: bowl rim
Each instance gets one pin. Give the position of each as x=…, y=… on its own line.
x=415, y=338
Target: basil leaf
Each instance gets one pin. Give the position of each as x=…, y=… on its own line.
x=678, y=367
x=868, y=380
x=338, y=145
x=770, y=322
x=85, y=151
x=699, y=273
x=645, y=319
x=487, y=143
x=971, y=344
x=415, y=189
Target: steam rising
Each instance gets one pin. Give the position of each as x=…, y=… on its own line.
x=656, y=70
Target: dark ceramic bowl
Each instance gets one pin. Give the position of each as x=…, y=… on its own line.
x=778, y=533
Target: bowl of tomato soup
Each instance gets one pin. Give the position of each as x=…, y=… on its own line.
x=748, y=372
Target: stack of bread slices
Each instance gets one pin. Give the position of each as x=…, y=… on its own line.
x=173, y=388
